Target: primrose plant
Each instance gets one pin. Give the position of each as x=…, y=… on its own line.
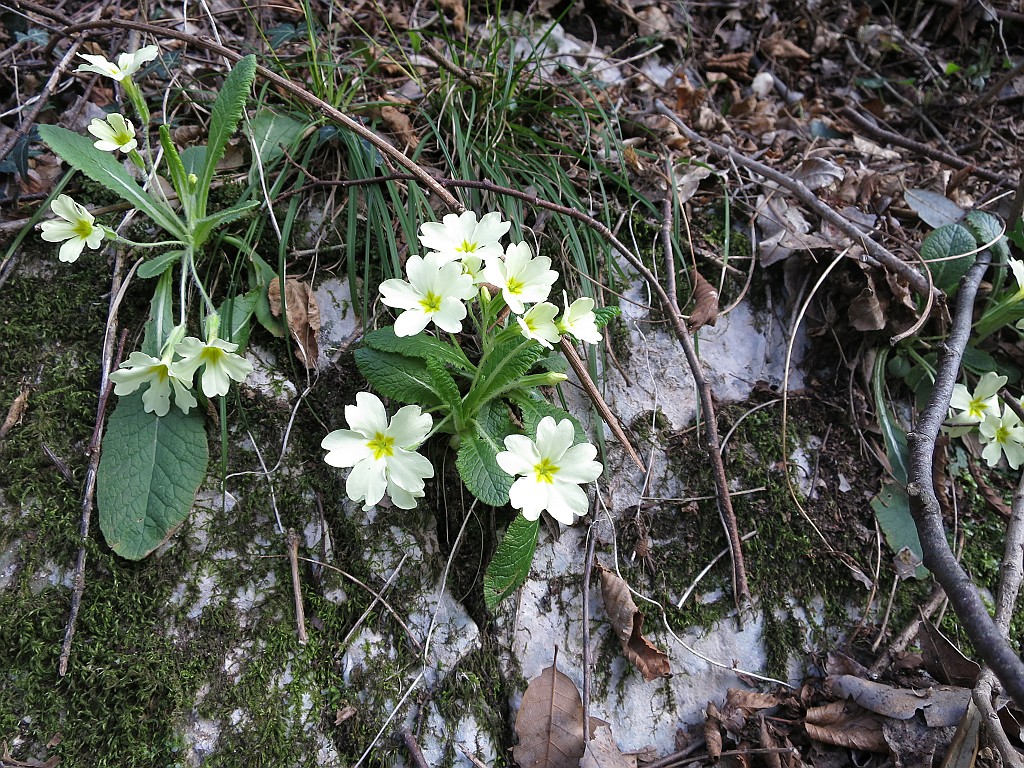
x=471, y=345
x=148, y=440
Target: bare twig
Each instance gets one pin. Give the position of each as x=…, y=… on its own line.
x=300, y=93
x=1012, y=573
x=900, y=643
x=588, y=569
x=865, y=125
x=741, y=590
x=108, y=363
x=876, y=250
x=42, y=99
x=924, y=504
x=414, y=749
x=300, y=612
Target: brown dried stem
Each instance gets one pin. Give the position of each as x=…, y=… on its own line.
x=300, y=93
x=876, y=250
x=741, y=591
x=924, y=504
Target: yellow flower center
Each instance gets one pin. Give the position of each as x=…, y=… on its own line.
x=545, y=471
x=466, y=247
x=83, y=228
x=431, y=302
x=514, y=286
x=382, y=446
x=976, y=408
x=212, y=356
x=1002, y=435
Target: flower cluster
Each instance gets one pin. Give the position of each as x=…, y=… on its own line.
x=999, y=429
x=461, y=254
x=464, y=262
x=220, y=364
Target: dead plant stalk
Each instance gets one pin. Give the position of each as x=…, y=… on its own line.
x=984, y=634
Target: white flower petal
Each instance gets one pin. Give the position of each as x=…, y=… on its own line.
x=345, y=448
x=410, y=426
x=367, y=416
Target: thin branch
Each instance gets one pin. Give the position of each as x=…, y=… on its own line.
x=300, y=93
x=864, y=125
x=741, y=590
x=924, y=504
x=876, y=250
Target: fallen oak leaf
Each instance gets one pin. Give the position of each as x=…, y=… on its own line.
x=705, y=310
x=549, y=723
x=845, y=724
x=603, y=752
x=628, y=620
x=303, y=316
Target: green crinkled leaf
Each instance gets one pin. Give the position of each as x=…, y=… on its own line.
x=175, y=169
x=536, y=408
x=161, y=318
x=401, y=378
x=271, y=131
x=149, y=472
x=892, y=510
x=444, y=384
x=236, y=314
x=224, y=117
x=78, y=151
x=511, y=563
x=202, y=229
x=159, y=264
x=503, y=365
x=939, y=251
x=604, y=315
x=988, y=230
x=421, y=345
x=477, y=462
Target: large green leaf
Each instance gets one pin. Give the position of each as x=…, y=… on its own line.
x=940, y=251
x=224, y=117
x=988, y=230
x=149, y=472
x=78, y=152
x=511, y=562
x=892, y=510
x=273, y=133
x=444, y=384
x=420, y=345
x=157, y=265
x=161, y=316
x=477, y=462
x=401, y=378
x=534, y=408
x=201, y=229
x=501, y=368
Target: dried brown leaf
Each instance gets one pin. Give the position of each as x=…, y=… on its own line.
x=15, y=413
x=818, y=172
x=457, y=11
x=603, y=752
x=844, y=724
x=628, y=620
x=735, y=65
x=303, y=316
x=705, y=298
x=736, y=698
x=713, y=732
x=549, y=723
x=781, y=48
x=398, y=123
x=941, y=705
x=943, y=660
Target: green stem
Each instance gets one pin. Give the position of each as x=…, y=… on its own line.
x=999, y=315
x=159, y=244
x=210, y=308
x=471, y=402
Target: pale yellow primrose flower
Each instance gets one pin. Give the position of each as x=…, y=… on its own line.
x=579, y=320
x=434, y=294
x=522, y=278
x=1002, y=435
x=1017, y=267
x=974, y=408
x=116, y=133
x=77, y=226
x=141, y=368
x=220, y=364
x=539, y=324
x=552, y=469
x=127, y=63
x=382, y=455
x=461, y=235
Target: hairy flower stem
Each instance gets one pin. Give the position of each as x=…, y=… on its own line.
x=924, y=504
